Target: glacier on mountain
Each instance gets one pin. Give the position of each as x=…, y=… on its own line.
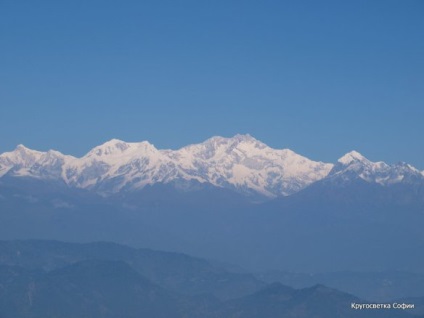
x=353, y=165
x=240, y=163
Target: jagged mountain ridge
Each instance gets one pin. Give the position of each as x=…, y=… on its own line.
x=57, y=279
x=240, y=163
x=354, y=165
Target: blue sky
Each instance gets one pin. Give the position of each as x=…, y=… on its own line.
x=319, y=77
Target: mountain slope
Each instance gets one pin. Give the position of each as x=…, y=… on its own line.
x=91, y=288
x=241, y=163
x=353, y=165
x=56, y=279
x=277, y=300
x=176, y=272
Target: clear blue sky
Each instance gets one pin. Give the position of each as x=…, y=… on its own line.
x=319, y=77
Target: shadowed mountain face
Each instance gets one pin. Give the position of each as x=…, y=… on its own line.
x=52, y=279
x=277, y=300
x=233, y=200
x=87, y=289
x=375, y=286
x=176, y=272
x=241, y=164
x=357, y=227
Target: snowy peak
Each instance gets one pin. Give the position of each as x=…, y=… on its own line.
x=220, y=146
x=20, y=158
x=235, y=140
x=249, y=166
x=117, y=147
x=354, y=166
x=247, y=141
x=22, y=148
x=115, y=159
x=109, y=148
x=31, y=163
x=115, y=152
x=352, y=157
x=406, y=167
x=240, y=163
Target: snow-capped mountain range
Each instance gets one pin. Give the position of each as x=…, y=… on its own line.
x=240, y=163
